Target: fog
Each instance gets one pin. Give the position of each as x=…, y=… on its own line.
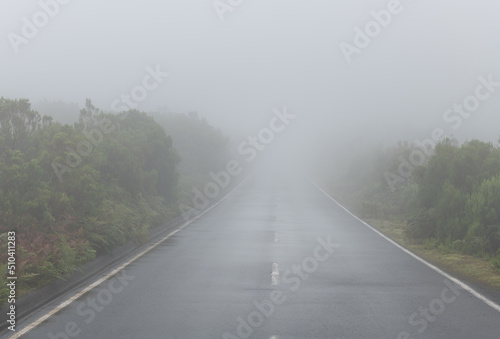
x=265, y=55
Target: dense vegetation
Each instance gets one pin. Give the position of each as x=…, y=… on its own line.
x=72, y=192
x=450, y=200
x=202, y=148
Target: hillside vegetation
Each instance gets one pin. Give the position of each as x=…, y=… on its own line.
x=449, y=200
x=72, y=192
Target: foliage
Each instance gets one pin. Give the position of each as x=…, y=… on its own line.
x=202, y=147
x=73, y=192
x=451, y=203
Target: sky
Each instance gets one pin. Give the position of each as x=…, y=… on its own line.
x=267, y=54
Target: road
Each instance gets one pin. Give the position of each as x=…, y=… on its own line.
x=277, y=259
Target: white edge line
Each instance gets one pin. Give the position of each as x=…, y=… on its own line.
x=67, y=302
x=460, y=283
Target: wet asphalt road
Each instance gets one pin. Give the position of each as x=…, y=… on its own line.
x=276, y=260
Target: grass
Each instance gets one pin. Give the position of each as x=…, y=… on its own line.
x=476, y=270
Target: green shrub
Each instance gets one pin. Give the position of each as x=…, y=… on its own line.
x=496, y=262
x=421, y=225
x=431, y=243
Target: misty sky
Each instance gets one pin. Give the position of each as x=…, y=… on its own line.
x=266, y=54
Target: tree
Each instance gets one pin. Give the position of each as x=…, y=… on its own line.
x=483, y=210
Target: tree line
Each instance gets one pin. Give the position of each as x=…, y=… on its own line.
x=451, y=200
x=72, y=192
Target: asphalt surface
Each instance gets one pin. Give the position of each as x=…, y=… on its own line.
x=276, y=260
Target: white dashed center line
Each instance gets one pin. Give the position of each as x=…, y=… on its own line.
x=275, y=275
